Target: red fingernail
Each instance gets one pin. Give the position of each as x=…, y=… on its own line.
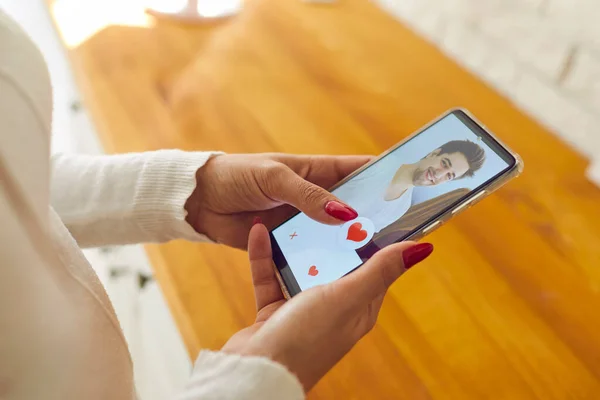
x=256, y=220
x=416, y=254
x=340, y=211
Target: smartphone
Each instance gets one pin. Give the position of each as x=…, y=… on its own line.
x=404, y=194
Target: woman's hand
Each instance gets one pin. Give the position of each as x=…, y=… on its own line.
x=232, y=189
x=310, y=333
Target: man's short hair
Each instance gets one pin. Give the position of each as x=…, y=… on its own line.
x=473, y=153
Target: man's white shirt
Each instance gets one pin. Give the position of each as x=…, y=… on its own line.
x=365, y=193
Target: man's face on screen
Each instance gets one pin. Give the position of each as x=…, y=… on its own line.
x=438, y=168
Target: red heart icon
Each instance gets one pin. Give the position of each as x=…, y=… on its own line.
x=313, y=271
x=356, y=233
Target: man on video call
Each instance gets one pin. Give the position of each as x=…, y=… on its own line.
x=383, y=194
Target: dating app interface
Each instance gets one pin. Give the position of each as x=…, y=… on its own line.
x=395, y=195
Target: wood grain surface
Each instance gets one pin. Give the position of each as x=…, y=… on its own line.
x=508, y=307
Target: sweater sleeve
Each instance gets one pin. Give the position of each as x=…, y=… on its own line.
x=221, y=376
x=128, y=198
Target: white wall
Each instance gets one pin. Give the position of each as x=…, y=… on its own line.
x=542, y=54
x=72, y=132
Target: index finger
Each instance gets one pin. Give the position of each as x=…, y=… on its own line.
x=266, y=286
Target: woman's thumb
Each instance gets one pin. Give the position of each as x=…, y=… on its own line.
x=319, y=204
x=374, y=277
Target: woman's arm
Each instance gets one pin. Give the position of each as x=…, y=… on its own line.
x=129, y=198
x=223, y=376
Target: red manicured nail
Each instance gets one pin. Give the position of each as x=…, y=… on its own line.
x=416, y=254
x=256, y=220
x=340, y=211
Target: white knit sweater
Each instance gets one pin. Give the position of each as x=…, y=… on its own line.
x=59, y=336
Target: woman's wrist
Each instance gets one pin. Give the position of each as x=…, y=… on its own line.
x=194, y=205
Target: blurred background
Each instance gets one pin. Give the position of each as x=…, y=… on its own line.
x=541, y=55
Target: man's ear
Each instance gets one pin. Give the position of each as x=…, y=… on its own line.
x=434, y=153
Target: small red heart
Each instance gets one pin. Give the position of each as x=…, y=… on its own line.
x=356, y=233
x=313, y=271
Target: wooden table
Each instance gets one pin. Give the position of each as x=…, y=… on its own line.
x=509, y=305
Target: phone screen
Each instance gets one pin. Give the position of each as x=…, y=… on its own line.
x=394, y=197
